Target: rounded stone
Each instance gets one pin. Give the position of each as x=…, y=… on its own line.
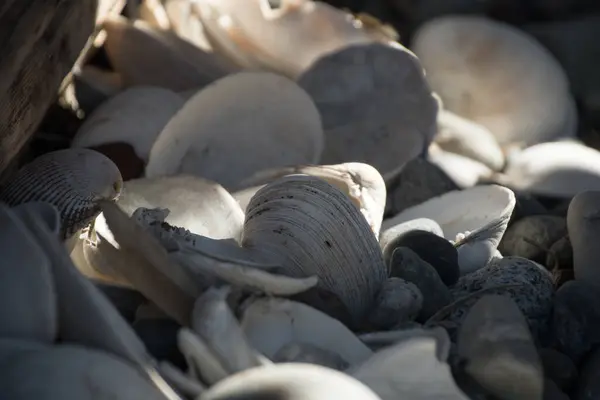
x=397, y=302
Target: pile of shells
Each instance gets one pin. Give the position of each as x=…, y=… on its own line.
x=279, y=200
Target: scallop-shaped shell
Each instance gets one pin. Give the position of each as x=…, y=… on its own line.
x=255, y=34
x=144, y=55
x=459, y=211
x=272, y=323
x=559, y=169
x=496, y=76
x=290, y=381
x=135, y=116
x=464, y=137
x=362, y=183
x=237, y=126
x=314, y=229
x=372, y=97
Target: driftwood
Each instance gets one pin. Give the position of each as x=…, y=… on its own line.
x=40, y=40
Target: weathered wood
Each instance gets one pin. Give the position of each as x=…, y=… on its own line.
x=40, y=41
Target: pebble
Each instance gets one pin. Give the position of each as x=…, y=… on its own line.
x=584, y=230
x=588, y=386
x=398, y=301
x=434, y=250
x=124, y=156
x=388, y=238
x=419, y=181
x=372, y=97
x=560, y=255
x=558, y=368
x=406, y=264
x=526, y=205
x=525, y=282
x=531, y=237
x=498, y=350
x=576, y=319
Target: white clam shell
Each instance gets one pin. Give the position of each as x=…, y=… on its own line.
x=290, y=381
x=362, y=183
x=482, y=211
x=496, y=76
x=559, y=169
x=254, y=34
x=465, y=172
x=135, y=116
x=185, y=21
x=271, y=323
x=312, y=228
x=153, y=12
x=143, y=55
x=467, y=138
x=237, y=126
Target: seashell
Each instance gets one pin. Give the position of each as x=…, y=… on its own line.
x=29, y=300
x=557, y=169
x=214, y=322
x=153, y=12
x=389, y=235
x=188, y=387
x=185, y=21
x=252, y=33
x=63, y=372
x=463, y=171
x=485, y=210
x=72, y=180
x=135, y=116
x=360, y=182
x=143, y=55
x=288, y=382
x=107, y=83
x=414, y=368
x=496, y=76
x=467, y=138
x=203, y=364
x=366, y=108
x=309, y=354
x=270, y=324
x=219, y=131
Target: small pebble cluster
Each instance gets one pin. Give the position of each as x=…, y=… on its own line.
x=292, y=200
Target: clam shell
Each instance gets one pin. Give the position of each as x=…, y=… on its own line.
x=465, y=172
x=360, y=182
x=272, y=323
x=467, y=138
x=237, y=126
x=496, y=76
x=314, y=229
x=482, y=212
x=292, y=381
x=143, y=55
x=135, y=116
x=153, y=12
x=186, y=23
x=253, y=33
x=558, y=169
x=372, y=97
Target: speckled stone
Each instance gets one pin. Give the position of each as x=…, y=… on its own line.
x=525, y=282
x=532, y=236
x=576, y=319
x=397, y=302
x=406, y=264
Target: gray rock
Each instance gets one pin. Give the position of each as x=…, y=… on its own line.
x=588, y=386
x=409, y=266
x=576, y=319
x=372, y=97
x=583, y=223
x=419, y=181
x=397, y=302
x=433, y=249
x=559, y=368
x=525, y=282
x=560, y=255
x=532, y=236
x=499, y=353
x=389, y=237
